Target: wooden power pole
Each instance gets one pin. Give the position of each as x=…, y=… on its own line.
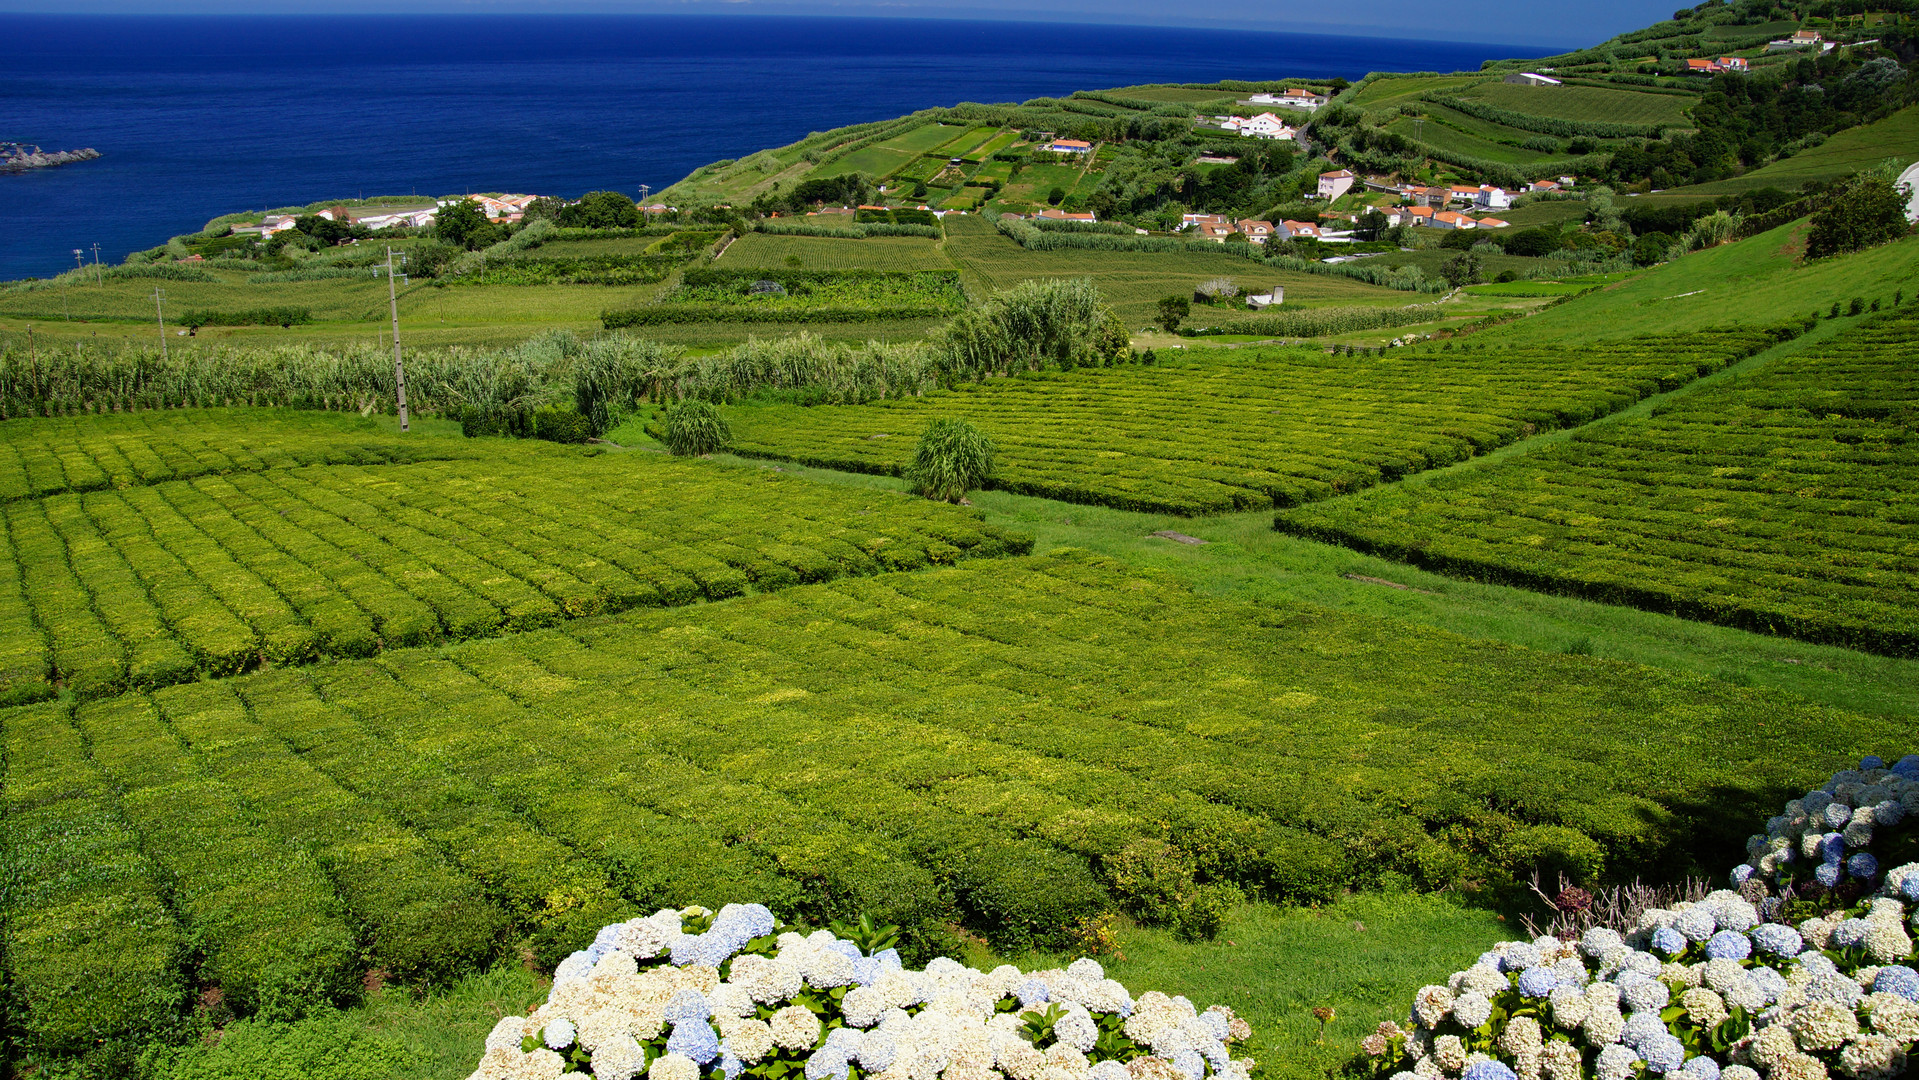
x=161, y=318
x=399, y=369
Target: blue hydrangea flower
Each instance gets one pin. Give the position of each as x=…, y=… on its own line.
x=1777, y=939
x=1770, y=983
x=1871, y=761
x=1837, y=814
x=1641, y=1028
x=1850, y=933
x=889, y=959
x=576, y=966
x=1217, y=1025
x=1537, y=982
x=696, y=1040
x=1910, y=886
x=1897, y=979
x=1669, y=941
x=1700, y=1068
x=1827, y=874
x=687, y=1007
x=846, y=949
x=1030, y=993
x=866, y=971
x=1489, y=1070
x=1908, y=767
x=1190, y=1064
x=1832, y=847
x=1728, y=945
x=1740, y=873
x=1863, y=865
x=1519, y=956
x=1889, y=813
x=731, y=1067
x=825, y=1063
x=1663, y=1054
x=877, y=1051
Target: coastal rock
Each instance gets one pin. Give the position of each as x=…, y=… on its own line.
x=19, y=157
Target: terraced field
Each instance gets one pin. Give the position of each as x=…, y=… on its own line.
x=1584, y=103
x=154, y=585
x=913, y=746
x=1783, y=503
x=1245, y=430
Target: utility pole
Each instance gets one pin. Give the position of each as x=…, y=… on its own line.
x=399, y=369
x=97, y=279
x=160, y=317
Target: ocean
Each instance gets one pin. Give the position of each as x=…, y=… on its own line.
x=202, y=116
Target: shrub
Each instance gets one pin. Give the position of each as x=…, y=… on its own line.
x=1172, y=310
x=696, y=427
x=1867, y=212
x=560, y=424
x=952, y=458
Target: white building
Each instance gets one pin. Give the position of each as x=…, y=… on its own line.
x=1292, y=99
x=1336, y=183
x=1265, y=126
x=1531, y=78
x=1492, y=198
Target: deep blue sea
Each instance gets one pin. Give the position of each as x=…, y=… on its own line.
x=201, y=116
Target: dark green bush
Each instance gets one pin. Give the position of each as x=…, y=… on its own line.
x=558, y=423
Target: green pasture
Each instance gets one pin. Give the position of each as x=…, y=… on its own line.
x=1583, y=103
x=827, y=253
x=1447, y=139
x=1554, y=212
x=968, y=141
x=873, y=160
x=598, y=245
x=1381, y=91
x=922, y=139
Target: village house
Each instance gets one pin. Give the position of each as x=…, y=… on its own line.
x=1451, y=219
x=1265, y=126
x=1530, y=78
x=413, y=218
x=1734, y=63
x=1334, y=184
x=1543, y=185
x=1800, y=39
x=1187, y=220
x=1060, y=146
x=1492, y=198
x=1295, y=98
x=1493, y=223
x=1257, y=231
x=1410, y=215
x=1217, y=233
x=1292, y=230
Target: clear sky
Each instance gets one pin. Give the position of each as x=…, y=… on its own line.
x=1556, y=24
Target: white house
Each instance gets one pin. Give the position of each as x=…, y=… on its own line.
x=1265, y=126
x=1336, y=183
x=1449, y=219
x=1288, y=230
x=1295, y=98
x=1492, y=198
x=404, y=219
x=1069, y=146
x=1531, y=78
x=1255, y=230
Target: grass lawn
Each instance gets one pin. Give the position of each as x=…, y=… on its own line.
x=1556, y=212
x=1583, y=103
x=1395, y=90
x=874, y=161
x=922, y=139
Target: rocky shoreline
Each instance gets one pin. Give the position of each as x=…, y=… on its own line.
x=19, y=157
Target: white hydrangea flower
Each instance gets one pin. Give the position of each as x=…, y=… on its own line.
x=795, y=1028
x=1822, y=1025
x=1430, y=1006
x=1872, y=1057
x=1569, y=1007
x=1472, y=1009
x=668, y=1067
x=619, y=1059
x=1450, y=1054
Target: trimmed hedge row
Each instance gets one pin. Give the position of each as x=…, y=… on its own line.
x=157, y=585
x=1250, y=429
x=1545, y=125
x=260, y=316
x=93, y=954
x=1781, y=504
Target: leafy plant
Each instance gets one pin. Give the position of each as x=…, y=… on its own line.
x=952, y=458
x=870, y=938
x=696, y=427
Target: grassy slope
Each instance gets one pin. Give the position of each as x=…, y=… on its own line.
x=1583, y=103
x=1896, y=137
x=1756, y=280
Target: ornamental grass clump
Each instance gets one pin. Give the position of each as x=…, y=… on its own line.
x=699, y=995
x=696, y=427
x=953, y=457
x=1745, y=984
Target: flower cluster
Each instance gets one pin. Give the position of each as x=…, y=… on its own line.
x=694, y=995
x=1825, y=838
x=1727, y=988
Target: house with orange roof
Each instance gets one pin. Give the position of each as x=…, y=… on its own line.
x=1255, y=230
x=1069, y=146
x=1452, y=219
x=1292, y=230
x=1054, y=213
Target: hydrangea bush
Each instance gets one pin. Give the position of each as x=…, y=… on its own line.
x=1803, y=970
x=698, y=995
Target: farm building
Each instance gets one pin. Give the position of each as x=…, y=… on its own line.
x=1528, y=78
x=1065, y=146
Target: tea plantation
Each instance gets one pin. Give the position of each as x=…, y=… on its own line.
x=1241, y=430
x=955, y=746
x=1783, y=502
x=145, y=586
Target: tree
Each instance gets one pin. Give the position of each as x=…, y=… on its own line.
x=600, y=210
x=1054, y=196
x=1463, y=269
x=1533, y=243
x=1651, y=248
x=1172, y=310
x=460, y=223
x=544, y=208
x=1458, y=240
x=1371, y=224
x=952, y=458
x=1866, y=212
